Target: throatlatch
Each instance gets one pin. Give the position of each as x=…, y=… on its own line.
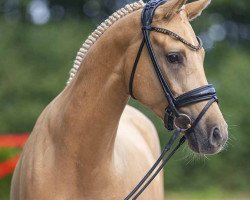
x=174, y=119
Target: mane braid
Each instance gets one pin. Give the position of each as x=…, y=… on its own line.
x=99, y=31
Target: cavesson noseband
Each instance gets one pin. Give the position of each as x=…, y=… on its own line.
x=174, y=118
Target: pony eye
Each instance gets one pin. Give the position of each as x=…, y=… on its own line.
x=174, y=58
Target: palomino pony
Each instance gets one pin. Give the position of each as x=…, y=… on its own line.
x=87, y=143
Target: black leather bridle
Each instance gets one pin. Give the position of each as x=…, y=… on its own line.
x=174, y=118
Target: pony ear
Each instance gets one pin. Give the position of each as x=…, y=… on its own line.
x=168, y=9
x=194, y=9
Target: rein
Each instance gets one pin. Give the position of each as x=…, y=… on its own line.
x=173, y=119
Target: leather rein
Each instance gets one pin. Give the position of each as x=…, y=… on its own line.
x=174, y=119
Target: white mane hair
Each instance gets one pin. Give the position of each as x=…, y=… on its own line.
x=98, y=32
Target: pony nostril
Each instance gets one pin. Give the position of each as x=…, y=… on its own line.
x=216, y=134
x=216, y=137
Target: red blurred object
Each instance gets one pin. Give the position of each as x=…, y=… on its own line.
x=8, y=166
x=13, y=141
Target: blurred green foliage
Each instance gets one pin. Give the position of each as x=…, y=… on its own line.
x=5, y=188
x=6, y=153
x=232, y=10
x=34, y=66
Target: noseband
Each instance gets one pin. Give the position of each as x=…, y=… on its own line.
x=174, y=118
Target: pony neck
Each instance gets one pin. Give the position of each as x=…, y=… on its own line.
x=91, y=105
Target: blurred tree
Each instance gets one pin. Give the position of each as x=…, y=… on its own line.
x=233, y=10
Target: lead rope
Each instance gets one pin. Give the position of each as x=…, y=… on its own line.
x=158, y=165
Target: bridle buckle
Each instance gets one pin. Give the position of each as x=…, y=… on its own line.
x=182, y=122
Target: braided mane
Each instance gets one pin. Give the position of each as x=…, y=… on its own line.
x=99, y=31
